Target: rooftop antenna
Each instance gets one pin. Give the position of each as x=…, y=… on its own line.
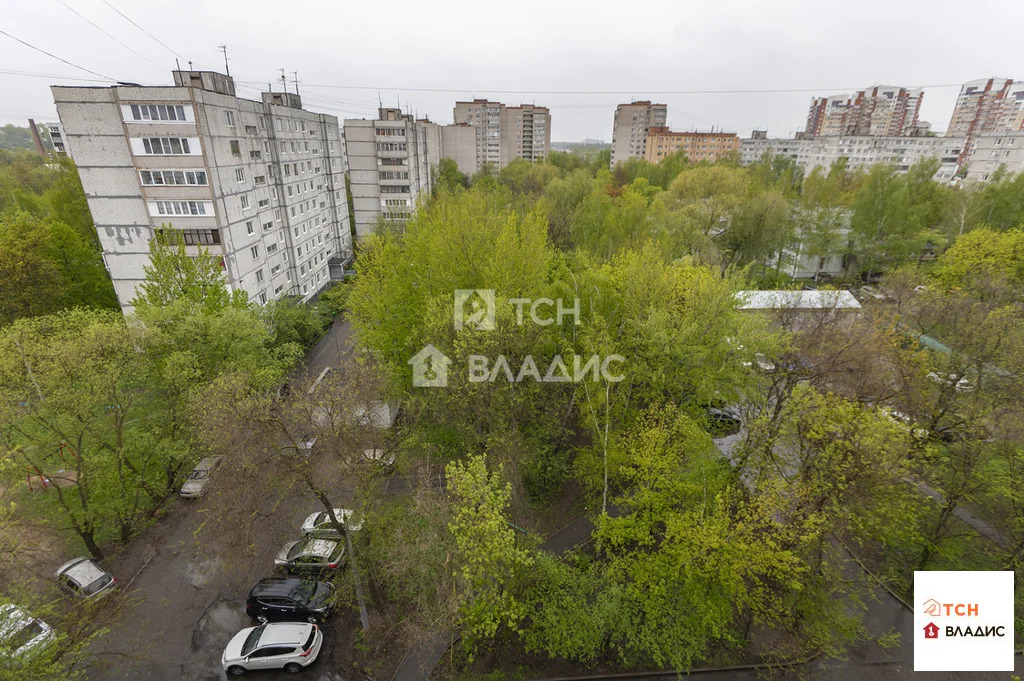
x=224, y=49
x=295, y=76
x=284, y=81
x=189, y=64
x=176, y=64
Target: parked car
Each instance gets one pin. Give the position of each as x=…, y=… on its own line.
x=290, y=599
x=312, y=553
x=84, y=578
x=724, y=421
x=306, y=442
x=20, y=632
x=320, y=522
x=291, y=646
x=383, y=459
x=962, y=385
x=195, y=485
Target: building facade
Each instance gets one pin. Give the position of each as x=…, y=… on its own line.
x=986, y=105
x=879, y=111
x=631, y=126
x=994, y=150
x=699, y=146
x=390, y=166
x=860, y=151
x=258, y=183
x=56, y=133
x=458, y=142
x=505, y=133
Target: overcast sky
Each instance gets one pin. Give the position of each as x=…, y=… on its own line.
x=542, y=52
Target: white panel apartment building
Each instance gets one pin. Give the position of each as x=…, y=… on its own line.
x=505, y=133
x=389, y=166
x=861, y=151
x=632, y=123
x=260, y=184
x=994, y=150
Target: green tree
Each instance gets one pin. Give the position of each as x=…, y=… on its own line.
x=489, y=561
x=449, y=177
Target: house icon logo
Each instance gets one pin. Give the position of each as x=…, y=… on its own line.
x=931, y=630
x=474, y=308
x=932, y=607
x=429, y=368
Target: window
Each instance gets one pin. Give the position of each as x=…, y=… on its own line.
x=255, y=250
x=259, y=276
x=244, y=200
x=277, y=121
x=165, y=146
x=181, y=208
x=158, y=112
x=293, y=147
x=303, y=123
x=248, y=227
x=391, y=146
x=287, y=170
x=256, y=155
x=239, y=174
x=396, y=189
x=392, y=161
x=229, y=118
x=159, y=177
x=267, y=226
x=260, y=179
x=263, y=301
x=250, y=130
x=235, y=148
x=263, y=203
x=271, y=248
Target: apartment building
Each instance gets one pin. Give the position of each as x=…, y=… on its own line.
x=631, y=126
x=258, y=183
x=861, y=151
x=459, y=143
x=390, y=165
x=994, y=150
x=878, y=111
x=699, y=146
x=986, y=105
x=505, y=133
x=56, y=134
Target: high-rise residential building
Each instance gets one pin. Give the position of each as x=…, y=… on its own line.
x=505, y=133
x=860, y=151
x=994, y=150
x=258, y=183
x=882, y=111
x=390, y=166
x=57, y=138
x=987, y=105
x=630, y=128
x=459, y=143
x=699, y=146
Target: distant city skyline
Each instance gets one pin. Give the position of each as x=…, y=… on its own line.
x=556, y=50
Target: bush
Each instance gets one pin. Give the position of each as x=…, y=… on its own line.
x=334, y=300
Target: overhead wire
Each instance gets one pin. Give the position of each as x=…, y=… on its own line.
x=50, y=54
x=129, y=20
x=110, y=35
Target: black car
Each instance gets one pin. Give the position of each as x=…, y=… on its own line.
x=723, y=421
x=290, y=599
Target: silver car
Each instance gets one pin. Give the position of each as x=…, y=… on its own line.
x=20, y=633
x=312, y=553
x=195, y=486
x=320, y=522
x=84, y=578
x=291, y=646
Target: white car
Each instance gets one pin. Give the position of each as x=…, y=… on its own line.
x=320, y=522
x=383, y=459
x=291, y=646
x=195, y=486
x=85, y=578
x=20, y=633
x=961, y=386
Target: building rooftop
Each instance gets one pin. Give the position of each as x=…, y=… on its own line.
x=796, y=300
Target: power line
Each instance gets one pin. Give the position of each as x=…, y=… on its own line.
x=141, y=29
x=49, y=54
x=608, y=92
x=112, y=37
x=52, y=76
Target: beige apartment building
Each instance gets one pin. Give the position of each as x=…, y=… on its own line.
x=258, y=183
x=503, y=133
x=699, y=146
x=881, y=110
x=632, y=123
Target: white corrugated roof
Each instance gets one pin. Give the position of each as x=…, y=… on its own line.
x=796, y=300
